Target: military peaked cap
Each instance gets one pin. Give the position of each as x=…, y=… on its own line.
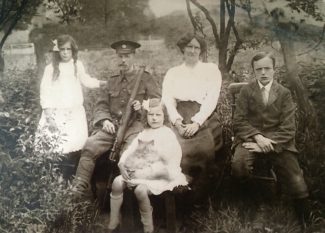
x=125, y=46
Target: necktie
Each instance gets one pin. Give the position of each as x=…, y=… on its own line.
x=264, y=95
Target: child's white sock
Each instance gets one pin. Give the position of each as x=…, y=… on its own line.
x=146, y=217
x=116, y=203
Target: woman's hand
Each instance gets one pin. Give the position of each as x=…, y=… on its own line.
x=108, y=127
x=191, y=129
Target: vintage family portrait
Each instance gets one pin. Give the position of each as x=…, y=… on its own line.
x=162, y=116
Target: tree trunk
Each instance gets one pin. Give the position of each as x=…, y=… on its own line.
x=294, y=81
x=105, y=12
x=2, y=65
x=306, y=118
x=222, y=47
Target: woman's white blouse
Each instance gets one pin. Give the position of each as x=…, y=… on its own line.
x=201, y=83
x=66, y=91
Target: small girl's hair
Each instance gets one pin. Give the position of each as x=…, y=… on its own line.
x=61, y=40
x=154, y=102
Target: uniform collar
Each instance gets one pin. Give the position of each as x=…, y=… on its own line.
x=129, y=74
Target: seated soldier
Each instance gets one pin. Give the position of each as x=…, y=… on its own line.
x=264, y=125
x=109, y=110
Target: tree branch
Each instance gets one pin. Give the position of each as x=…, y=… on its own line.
x=315, y=46
x=239, y=41
x=211, y=21
x=189, y=12
x=231, y=20
x=228, y=27
x=3, y=7
x=6, y=13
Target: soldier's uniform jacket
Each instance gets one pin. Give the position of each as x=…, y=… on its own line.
x=114, y=98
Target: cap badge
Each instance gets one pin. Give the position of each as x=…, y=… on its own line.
x=123, y=46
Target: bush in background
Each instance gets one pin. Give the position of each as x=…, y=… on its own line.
x=33, y=195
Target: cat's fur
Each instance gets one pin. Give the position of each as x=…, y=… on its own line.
x=144, y=156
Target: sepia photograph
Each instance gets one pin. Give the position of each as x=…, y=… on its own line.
x=162, y=116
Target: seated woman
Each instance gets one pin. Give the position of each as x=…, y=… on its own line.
x=190, y=92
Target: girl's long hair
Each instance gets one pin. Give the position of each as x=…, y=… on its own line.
x=62, y=39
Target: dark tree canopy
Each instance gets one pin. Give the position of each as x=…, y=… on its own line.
x=123, y=18
x=14, y=11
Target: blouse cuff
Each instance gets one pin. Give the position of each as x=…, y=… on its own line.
x=198, y=120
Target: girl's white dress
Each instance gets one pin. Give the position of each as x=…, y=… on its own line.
x=167, y=146
x=64, y=100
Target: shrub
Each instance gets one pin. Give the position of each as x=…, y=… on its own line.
x=33, y=195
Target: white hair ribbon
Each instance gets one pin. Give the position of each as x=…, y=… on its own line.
x=145, y=105
x=55, y=47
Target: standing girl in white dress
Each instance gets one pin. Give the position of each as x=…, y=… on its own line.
x=150, y=165
x=63, y=119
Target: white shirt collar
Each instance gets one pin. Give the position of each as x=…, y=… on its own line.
x=267, y=86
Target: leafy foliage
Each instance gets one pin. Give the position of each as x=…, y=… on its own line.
x=67, y=10
x=13, y=11
x=33, y=196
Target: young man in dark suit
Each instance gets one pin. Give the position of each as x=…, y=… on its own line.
x=264, y=125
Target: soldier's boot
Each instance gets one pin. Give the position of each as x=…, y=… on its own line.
x=81, y=186
x=114, y=219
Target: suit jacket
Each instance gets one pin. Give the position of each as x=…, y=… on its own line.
x=114, y=97
x=276, y=120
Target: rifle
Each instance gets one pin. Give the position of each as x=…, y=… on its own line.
x=115, y=151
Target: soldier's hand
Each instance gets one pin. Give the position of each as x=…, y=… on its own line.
x=108, y=127
x=264, y=143
x=252, y=147
x=136, y=105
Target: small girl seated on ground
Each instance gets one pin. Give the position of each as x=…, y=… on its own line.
x=150, y=165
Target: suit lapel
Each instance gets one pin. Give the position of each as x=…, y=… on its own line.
x=257, y=94
x=273, y=93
